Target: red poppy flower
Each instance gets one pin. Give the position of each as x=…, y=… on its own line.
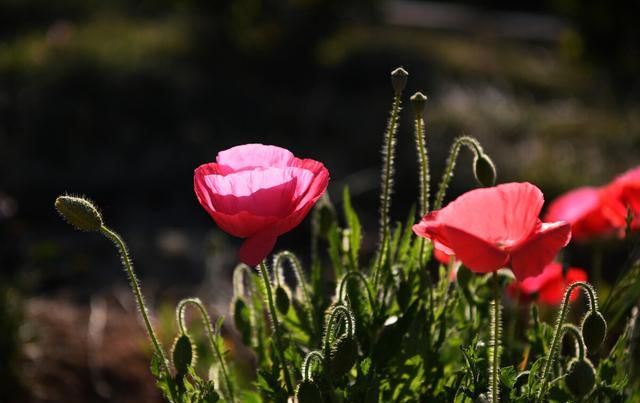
x=583, y=209
x=491, y=228
x=548, y=287
x=259, y=192
x=623, y=193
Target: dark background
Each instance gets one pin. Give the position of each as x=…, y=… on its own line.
x=122, y=100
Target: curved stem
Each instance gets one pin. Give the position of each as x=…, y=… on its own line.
x=276, y=326
x=137, y=292
x=238, y=278
x=363, y=280
x=388, y=153
x=297, y=270
x=338, y=312
x=308, y=361
x=564, y=309
x=475, y=148
x=494, y=344
x=575, y=332
x=206, y=322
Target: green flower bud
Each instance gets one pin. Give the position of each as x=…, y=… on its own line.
x=343, y=356
x=594, y=330
x=399, y=80
x=282, y=300
x=484, y=171
x=79, y=212
x=419, y=101
x=581, y=378
x=308, y=392
x=242, y=319
x=183, y=354
x=463, y=276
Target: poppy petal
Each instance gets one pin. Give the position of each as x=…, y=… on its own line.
x=255, y=248
x=475, y=253
x=249, y=156
x=530, y=258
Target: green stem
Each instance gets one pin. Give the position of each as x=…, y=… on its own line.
x=338, y=312
x=276, y=326
x=363, y=280
x=494, y=343
x=387, y=183
x=137, y=292
x=577, y=335
x=206, y=321
x=297, y=270
x=423, y=161
x=308, y=360
x=564, y=309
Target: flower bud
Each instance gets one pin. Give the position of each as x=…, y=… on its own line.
x=343, y=356
x=594, y=330
x=419, y=101
x=463, y=277
x=79, y=212
x=484, y=171
x=183, y=354
x=399, y=80
x=581, y=377
x=242, y=320
x=308, y=392
x=282, y=300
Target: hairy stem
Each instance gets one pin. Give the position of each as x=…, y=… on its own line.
x=475, y=148
x=363, y=280
x=308, y=361
x=577, y=336
x=423, y=162
x=278, y=261
x=495, y=343
x=276, y=326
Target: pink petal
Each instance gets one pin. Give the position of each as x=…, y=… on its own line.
x=530, y=257
x=504, y=214
x=476, y=253
x=582, y=208
x=255, y=248
x=243, y=224
x=552, y=292
x=249, y=156
x=430, y=227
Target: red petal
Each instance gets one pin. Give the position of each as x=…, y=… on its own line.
x=553, y=290
x=583, y=209
x=475, y=253
x=530, y=257
x=504, y=214
x=255, y=248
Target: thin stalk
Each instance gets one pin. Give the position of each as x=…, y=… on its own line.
x=387, y=183
x=423, y=162
x=495, y=343
x=475, y=148
x=206, y=322
x=308, y=361
x=363, y=280
x=276, y=326
x=137, y=293
x=577, y=336
x=297, y=271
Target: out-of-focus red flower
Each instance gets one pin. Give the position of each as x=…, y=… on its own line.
x=623, y=192
x=583, y=209
x=491, y=228
x=598, y=212
x=548, y=287
x=259, y=192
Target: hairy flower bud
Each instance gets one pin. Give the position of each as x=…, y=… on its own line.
x=343, y=356
x=594, y=330
x=419, y=101
x=282, y=300
x=484, y=171
x=183, y=354
x=399, y=80
x=79, y=212
x=242, y=319
x=308, y=392
x=581, y=377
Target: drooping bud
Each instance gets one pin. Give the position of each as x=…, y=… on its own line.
x=484, y=171
x=282, y=300
x=79, y=212
x=594, y=330
x=399, y=80
x=343, y=356
x=308, y=392
x=419, y=102
x=242, y=319
x=463, y=276
x=581, y=377
x=183, y=354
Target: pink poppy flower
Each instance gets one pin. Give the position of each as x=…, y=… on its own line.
x=491, y=228
x=583, y=209
x=548, y=287
x=259, y=192
x=623, y=192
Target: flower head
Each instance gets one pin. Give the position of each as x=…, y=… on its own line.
x=549, y=286
x=491, y=228
x=259, y=192
x=621, y=194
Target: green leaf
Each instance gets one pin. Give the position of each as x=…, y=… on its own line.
x=353, y=223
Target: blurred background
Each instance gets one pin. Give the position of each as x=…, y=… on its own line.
x=122, y=100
